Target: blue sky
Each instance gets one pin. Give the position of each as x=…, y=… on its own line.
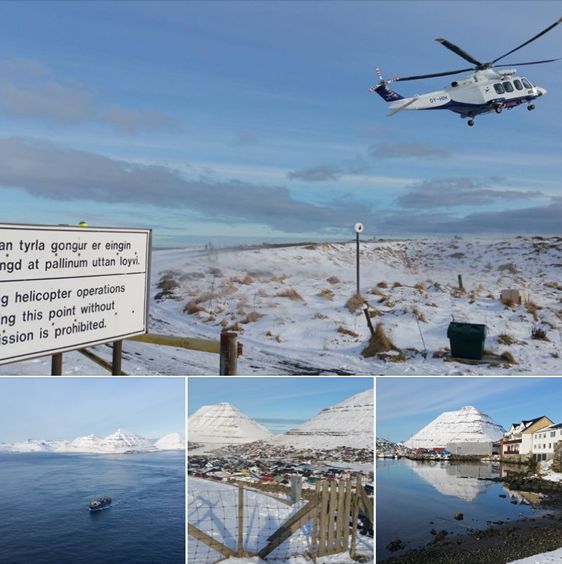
x=278, y=403
x=405, y=405
x=66, y=408
x=216, y=120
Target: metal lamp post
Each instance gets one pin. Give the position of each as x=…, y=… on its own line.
x=358, y=229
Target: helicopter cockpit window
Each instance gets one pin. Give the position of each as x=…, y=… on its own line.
x=499, y=88
x=508, y=86
x=526, y=83
x=518, y=84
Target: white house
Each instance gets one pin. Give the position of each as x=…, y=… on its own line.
x=517, y=443
x=544, y=441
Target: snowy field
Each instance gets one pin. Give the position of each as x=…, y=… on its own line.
x=289, y=304
x=553, y=557
x=212, y=507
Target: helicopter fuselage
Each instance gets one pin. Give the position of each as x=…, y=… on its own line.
x=482, y=92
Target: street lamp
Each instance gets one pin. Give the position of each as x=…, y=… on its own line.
x=358, y=229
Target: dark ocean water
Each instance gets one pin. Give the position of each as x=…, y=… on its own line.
x=44, y=516
x=415, y=497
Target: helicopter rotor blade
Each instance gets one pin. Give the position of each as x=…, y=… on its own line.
x=529, y=41
x=460, y=52
x=530, y=63
x=419, y=77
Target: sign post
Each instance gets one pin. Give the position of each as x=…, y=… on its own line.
x=358, y=229
x=64, y=288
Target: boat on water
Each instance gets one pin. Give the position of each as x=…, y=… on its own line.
x=99, y=503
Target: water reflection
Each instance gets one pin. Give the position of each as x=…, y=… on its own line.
x=463, y=480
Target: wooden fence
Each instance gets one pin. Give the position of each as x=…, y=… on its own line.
x=334, y=511
x=228, y=348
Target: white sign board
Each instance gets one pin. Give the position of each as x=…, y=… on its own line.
x=64, y=288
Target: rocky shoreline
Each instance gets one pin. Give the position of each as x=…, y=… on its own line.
x=502, y=542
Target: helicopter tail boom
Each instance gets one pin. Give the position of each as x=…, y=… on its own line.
x=386, y=93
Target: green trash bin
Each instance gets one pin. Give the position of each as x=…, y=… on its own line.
x=467, y=339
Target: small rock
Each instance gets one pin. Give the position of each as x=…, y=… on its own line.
x=440, y=536
x=395, y=545
x=459, y=516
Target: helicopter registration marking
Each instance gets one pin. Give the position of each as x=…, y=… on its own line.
x=438, y=99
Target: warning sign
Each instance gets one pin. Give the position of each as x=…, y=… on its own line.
x=64, y=288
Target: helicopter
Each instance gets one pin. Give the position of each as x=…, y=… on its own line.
x=485, y=90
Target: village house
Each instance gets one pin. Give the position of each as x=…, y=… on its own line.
x=517, y=443
x=544, y=441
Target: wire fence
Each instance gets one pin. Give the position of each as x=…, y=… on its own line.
x=225, y=521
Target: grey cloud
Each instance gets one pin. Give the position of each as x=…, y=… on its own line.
x=319, y=173
x=546, y=219
x=28, y=89
x=457, y=192
x=388, y=150
x=48, y=171
x=134, y=121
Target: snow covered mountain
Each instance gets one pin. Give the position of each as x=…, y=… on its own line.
x=223, y=424
x=173, y=441
x=119, y=442
x=467, y=424
x=349, y=423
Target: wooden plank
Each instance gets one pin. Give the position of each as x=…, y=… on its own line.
x=368, y=505
x=323, y=518
x=209, y=541
x=331, y=515
x=341, y=517
x=99, y=360
x=288, y=528
x=355, y=517
x=202, y=345
x=314, y=536
x=347, y=511
x=240, y=543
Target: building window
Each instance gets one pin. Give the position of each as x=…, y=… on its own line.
x=553, y=433
x=499, y=88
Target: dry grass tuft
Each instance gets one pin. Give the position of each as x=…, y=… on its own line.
x=420, y=287
x=539, y=333
x=290, y=293
x=327, y=293
x=262, y=293
x=374, y=312
x=379, y=343
x=509, y=302
x=505, y=339
x=345, y=331
x=252, y=317
x=397, y=285
x=192, y=307
x=533, y=309
x=508, y=357
x=376, y=292
x=354, y=303
x=382, y=284
x=418, y=314
x=333, y=280
x=167, y=285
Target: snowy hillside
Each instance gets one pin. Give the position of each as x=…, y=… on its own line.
x=350, y=423
x=289, y=306
x=119, y=442
x=467, y=424
x=223, y=424
x=173, y=441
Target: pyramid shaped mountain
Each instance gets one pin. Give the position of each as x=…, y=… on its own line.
x=223, y=424
x=467, y=424
x=172, y=441
x=349, y=423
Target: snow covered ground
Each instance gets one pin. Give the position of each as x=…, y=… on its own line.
x=289, y=304
x=213, y=508
x=547, y=473
x=553, y=557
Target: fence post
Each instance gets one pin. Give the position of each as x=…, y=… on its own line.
x=56, y=364
x=240, y=544
x=459, y=276
x=296, y=488
x=229, y=353
x=117, y=357
x=355, y=517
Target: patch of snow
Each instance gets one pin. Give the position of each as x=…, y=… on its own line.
x=553, y=557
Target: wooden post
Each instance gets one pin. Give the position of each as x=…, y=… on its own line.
x=296, y=488
x=369, y=322
x=331, y=513
x=56, y=364
x=229, y=353
x=117, y=357
x=240, y=544
x=459, y=276
x=355, y=517
x=315, y=525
